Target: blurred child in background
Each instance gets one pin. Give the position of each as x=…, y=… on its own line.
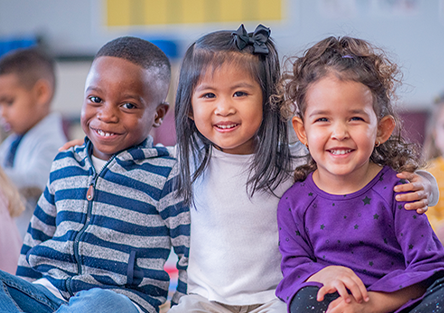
x=11, y=205
x=433, y=154
x=27, y=85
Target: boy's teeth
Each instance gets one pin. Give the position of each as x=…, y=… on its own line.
x=340, y=151
x=102, y=133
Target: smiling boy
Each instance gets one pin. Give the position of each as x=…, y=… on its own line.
x=104, y=227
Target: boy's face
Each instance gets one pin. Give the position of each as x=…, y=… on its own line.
x=19, y=111
x=122, y=102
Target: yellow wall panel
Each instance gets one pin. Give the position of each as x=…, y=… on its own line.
x=118, y=12
x=162, y=12
x=156, y=12
x=230, y=10
x=269, y=10
x=194, y=11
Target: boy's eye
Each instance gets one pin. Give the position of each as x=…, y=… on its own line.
x=7, y=102
x=240, y=94
x=128, y=105
x=95, y=99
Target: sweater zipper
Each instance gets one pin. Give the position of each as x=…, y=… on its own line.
x=90, y=198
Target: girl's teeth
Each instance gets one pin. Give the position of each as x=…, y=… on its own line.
x=340, y=151
x=226, y=126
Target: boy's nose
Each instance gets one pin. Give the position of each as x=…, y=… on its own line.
x=108, y=114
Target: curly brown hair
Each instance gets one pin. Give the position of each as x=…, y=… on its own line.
x=351, y=59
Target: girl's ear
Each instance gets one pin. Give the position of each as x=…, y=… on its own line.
x=385, y=128
x=190, y=115
x=298, y=126
x=161, y=111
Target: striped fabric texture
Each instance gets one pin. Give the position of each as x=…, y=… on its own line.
x=113, y=229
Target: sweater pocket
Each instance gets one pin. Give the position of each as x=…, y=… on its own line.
x=134, y=274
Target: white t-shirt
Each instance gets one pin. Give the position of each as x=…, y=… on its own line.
x=234, y=253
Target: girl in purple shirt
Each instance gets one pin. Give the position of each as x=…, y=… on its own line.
x=347, y=245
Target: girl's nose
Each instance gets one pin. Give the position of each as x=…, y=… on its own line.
x=339, y=132
x=108, y=113
x=224, y=107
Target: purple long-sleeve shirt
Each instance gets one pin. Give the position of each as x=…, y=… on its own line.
x=368, y=231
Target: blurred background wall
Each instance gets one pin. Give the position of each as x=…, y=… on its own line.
x=411, y=31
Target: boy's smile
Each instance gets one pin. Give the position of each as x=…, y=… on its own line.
x=122, y=103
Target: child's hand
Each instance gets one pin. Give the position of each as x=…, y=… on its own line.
x=340, y=306
x=72, y=143
x=340, y=278
x=418, y=188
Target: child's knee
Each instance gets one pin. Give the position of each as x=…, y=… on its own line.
x=100, y=300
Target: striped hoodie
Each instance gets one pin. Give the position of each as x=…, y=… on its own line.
x=113, y=229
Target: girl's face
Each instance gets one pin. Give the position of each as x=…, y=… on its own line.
x=340, y=127
x=438, y=132
x=227, y=108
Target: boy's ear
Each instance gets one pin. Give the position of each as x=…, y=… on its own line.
x=43, y=92
x=161, y=111
x=385, y=129
x=298, y=126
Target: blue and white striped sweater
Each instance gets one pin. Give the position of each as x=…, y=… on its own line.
x=121, y=237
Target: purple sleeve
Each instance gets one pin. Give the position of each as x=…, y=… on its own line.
x=298, y=261
x=421, y=248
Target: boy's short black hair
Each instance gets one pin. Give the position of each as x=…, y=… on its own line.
x=140, y=52
x=30, y=65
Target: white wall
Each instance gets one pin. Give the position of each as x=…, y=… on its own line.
x=416, y=38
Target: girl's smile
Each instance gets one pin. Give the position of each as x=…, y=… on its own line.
x=227, y=108
x=341, y=129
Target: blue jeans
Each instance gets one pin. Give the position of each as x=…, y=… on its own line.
x=18, y=295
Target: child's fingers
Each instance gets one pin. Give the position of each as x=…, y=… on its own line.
x=334, y=305
x=358, y=290
x=72, y=143
x=413, y=186
x=420, y=206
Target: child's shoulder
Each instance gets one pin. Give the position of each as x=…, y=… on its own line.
x=300, y=194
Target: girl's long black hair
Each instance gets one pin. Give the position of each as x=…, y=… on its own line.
x=271, y=161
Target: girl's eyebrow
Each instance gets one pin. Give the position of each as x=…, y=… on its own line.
x=212, y=86
x=322, y=112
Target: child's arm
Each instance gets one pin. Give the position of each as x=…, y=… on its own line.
x=71, y=143
x=421, y=191
x=378, y=301
x=41, y=228
x=298, y=261
x=177, y=218
x=340, y=278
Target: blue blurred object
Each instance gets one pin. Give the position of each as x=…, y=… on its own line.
x=12, y=43
x=169, y=47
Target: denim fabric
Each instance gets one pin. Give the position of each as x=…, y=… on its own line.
x=18, y=295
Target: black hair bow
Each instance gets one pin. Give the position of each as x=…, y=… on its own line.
x=258, y=39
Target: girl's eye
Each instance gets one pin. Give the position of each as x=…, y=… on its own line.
x=95, y=99
x=209, y=95
x=128, y=105
x=240, y=94
x=357, y=118
x=321, y=119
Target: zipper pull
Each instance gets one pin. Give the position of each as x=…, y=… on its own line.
x=90, y=193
